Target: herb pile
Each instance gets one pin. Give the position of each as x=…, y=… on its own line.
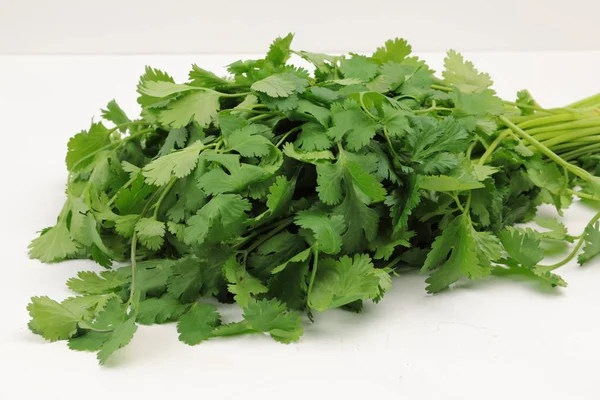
x=290, y=193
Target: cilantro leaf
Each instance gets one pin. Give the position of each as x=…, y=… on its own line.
x=280, y=85
x=199, y=106
x=344, y=281
x=179, y=164
x=471, y=254
x=327, y=230
x=243, y=285
x=85, y=144
x=393, y=50
x=592, y=243
x=271, y=316
x=119, y=337
x=51, y=320
x=463, y=75
x=198, y=323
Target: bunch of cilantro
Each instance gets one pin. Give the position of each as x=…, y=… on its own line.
x=290, y=193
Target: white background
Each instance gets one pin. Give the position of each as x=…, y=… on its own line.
x=497, y=339
x=234, y=26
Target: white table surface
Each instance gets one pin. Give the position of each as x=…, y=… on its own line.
x=497, y=339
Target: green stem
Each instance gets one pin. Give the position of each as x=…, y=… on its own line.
x=581, y=151
x=592, y=100
x=234, y=94
x=263, y=116
x=133, y=269
x=575, y=250
x=562, y=137
x=312, y=275
x=582, y=195
x=164, y=194
x=285, y=135
x=442, y=88
x=492, y=147
x=386, y=134
x=393, y=263
x=457, y=201
x=278, y=228
x=583, y=174
x=538, y=108
x=125, y=186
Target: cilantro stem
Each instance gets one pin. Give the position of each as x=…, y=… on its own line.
x=457, y=201
x=538, y=108
x=278, y=228
x=134, y=240
x=582, y=195
x=125, y=186
x=234, y=94
x=164, y=194
x=386, y=134
x=285, y=135
x=578, y=152
x=442, y=88
x=262, y=116
x=313, y=275
x=580, y=172
x=575, y=250
x=492, y=147
x=365, y=109
x=590, y=101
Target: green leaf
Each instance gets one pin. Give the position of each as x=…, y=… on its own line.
x=344, y=281
x=272, y=317
x=248, y=142
x=522, y=245
x=198, y=323
x=54, y=244
x=88, y=282
x=206, y=79
x=90, y=341
x=279, y=51
x=82, y=146
x=358, y=67
x=132, y=200
x=150, y=232
x=349, y=122
x=187, y=279
x=280, y=196
x=312, y=157
x=280, y=85
x=51, y=320
x=592, y=243
x=463, y=75
x=394, y=50
x=445, y=183
x=471, y=254
x=243, y=285
x=327, y=230
x=558, y=231
x=120, y=337
x=199, y=106
x=179, y=164
x=158, y=310
x=224, y=210
x=176, y=138
x=115, y=114
x=313, y=137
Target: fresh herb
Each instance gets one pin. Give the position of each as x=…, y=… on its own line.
x=293, y=193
